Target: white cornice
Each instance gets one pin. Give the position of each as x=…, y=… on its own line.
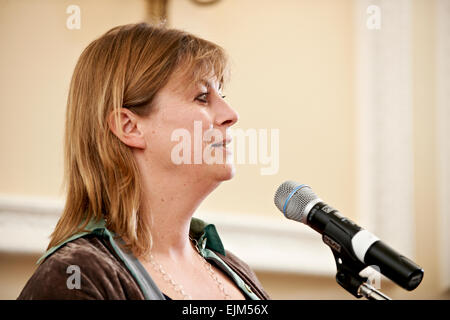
x=266, y=244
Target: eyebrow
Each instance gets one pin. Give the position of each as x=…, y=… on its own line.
x=208, y=84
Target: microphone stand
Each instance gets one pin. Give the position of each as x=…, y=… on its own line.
x=347, y=276
x=370, y=293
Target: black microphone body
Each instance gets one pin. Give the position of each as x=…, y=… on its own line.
x=343, y=236
x=331, y=224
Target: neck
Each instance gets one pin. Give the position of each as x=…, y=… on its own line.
x=169, y=202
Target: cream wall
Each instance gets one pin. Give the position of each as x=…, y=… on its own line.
x=293, y=70
x=293, y=65
x=37, y=59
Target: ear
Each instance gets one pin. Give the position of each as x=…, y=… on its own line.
x=127, y=128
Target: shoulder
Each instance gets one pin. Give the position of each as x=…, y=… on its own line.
x=245, y=272
x=84, y=268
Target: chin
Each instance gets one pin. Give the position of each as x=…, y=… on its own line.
x=224, y=172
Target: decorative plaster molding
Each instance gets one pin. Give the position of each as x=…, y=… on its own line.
x=266, y=244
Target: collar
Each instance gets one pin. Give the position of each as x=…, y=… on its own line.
x=206, y=235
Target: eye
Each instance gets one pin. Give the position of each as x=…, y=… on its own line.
x=203, y=97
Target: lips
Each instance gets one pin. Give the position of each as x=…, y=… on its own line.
x=222, y=144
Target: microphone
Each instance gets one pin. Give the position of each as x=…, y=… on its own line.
x=298, y=202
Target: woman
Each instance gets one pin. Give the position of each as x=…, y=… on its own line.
x=127, y=230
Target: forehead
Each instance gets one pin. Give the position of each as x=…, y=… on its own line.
x=182, y=81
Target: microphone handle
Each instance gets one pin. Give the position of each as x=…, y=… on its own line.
x=338, y=232
x=396, y=267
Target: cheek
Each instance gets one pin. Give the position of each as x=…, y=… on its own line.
x=196, y=121
x=165, y=131
x=157, y=143
x=157, y=138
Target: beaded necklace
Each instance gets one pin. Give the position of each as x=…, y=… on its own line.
x=178, y=287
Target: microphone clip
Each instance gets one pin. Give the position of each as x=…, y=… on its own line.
x=348, y=275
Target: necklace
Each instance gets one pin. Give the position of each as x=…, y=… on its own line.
x=178, y=287
x=212, y=273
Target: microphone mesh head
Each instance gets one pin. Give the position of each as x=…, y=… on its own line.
x=294, y=204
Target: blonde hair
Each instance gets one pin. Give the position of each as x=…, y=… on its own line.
x=126, y=67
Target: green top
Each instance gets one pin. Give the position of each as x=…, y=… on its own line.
x=208, y=242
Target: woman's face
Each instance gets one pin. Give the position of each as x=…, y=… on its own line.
x=187, y=128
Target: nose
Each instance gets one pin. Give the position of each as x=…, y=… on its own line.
x=225, y=114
